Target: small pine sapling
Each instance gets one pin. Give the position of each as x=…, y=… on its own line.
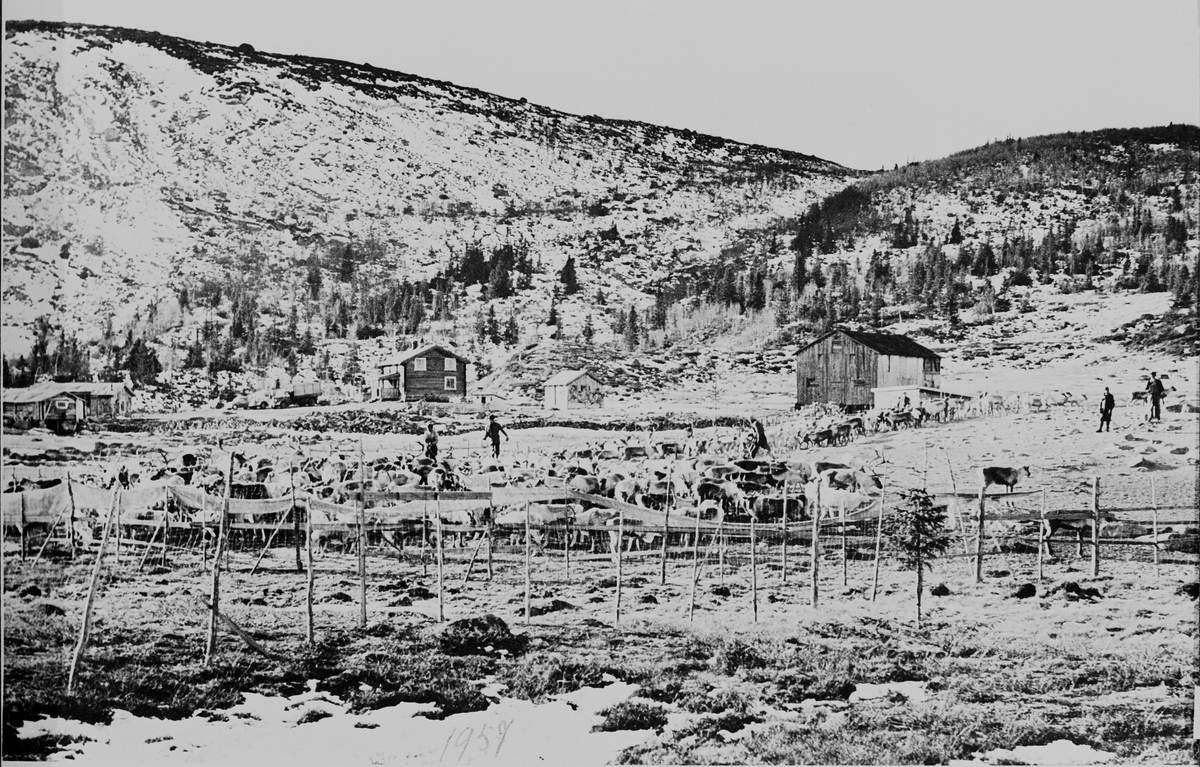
x=917, y=533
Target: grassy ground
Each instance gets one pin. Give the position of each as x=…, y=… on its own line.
x=1115, y=671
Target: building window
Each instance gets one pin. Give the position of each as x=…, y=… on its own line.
x=451, y=383
x=810, y=383
x=933, y=365
x=419, y=363
x=449, y=364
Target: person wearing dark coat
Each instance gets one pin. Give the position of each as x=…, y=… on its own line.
x=494, y=430
x=1157, y=391
x=1107, y=404
x=760, y=438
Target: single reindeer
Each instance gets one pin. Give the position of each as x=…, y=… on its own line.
x=1001, y=475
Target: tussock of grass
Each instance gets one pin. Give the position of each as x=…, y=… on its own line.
x=540, y=676
x=632, y=715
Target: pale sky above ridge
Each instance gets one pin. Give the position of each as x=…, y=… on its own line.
x=866, y=83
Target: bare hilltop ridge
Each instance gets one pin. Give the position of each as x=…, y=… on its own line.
x=199, y=217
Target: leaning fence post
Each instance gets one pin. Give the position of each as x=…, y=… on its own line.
x=1095, y=526
x=878, y=543
x=85, y=627
x=695, y=566
x=620, y=541
x=440, y=555
x=71, y=529
x=979, y=540
x=1154, y=526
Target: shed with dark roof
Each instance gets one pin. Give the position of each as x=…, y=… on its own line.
x=843, y=366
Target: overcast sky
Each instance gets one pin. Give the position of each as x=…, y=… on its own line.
x=866, y=83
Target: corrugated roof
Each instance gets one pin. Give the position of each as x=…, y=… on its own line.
x=403, y=357
x=884, y=343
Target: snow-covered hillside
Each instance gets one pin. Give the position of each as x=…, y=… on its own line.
x=136, y=162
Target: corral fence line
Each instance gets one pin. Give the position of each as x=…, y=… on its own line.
x=450, y=530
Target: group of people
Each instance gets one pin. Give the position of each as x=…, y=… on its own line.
x=1155, y=391
x=492, y=434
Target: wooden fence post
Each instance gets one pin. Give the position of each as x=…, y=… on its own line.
x=362, y=536
x=214, y=601
x=783, y=549
x=311, y=576
x=666, y=529
x=24, y=525
x=814, y=589
x=295, y=520
x=86, y=626
x=845, y=562
x=1154, y=526
x=567, y=547
x=71, y=521
x=437, y=500
x=754, y=567
x=721, y=544
x=620, y=546
x=1041, y=545
x=695, y=566
x=424, y=535
x=1095, y=526
x=878, y=543
x=528, y=578
x=979, y=541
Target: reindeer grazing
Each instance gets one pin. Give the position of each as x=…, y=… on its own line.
x=1001, y=475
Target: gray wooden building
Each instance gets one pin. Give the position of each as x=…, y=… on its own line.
x=843, y=366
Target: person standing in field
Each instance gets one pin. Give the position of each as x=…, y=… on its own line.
x=1107, y=404
x=494, y=430
x=758, y=438
x=431, y=443
x=1156, y=391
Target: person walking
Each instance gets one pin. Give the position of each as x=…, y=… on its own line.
x=1107, y=404
x=1157, y=391
x=431, y=443
x=494, y=430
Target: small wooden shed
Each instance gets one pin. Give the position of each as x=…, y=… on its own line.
x=843, y=367
x=430, y=372
x=573, y=389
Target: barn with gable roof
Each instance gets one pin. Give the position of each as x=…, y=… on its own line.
x=842, y=367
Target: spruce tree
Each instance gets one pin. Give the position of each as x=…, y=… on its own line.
x=632, y=329
x=567, y=277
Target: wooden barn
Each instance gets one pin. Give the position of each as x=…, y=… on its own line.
x=844, y=366
x=573, y=389
x=430, y=372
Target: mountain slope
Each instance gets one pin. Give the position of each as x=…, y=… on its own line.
x=138, y=163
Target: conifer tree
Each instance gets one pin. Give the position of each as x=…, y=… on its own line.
x=567, y=277
x=632, y=329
